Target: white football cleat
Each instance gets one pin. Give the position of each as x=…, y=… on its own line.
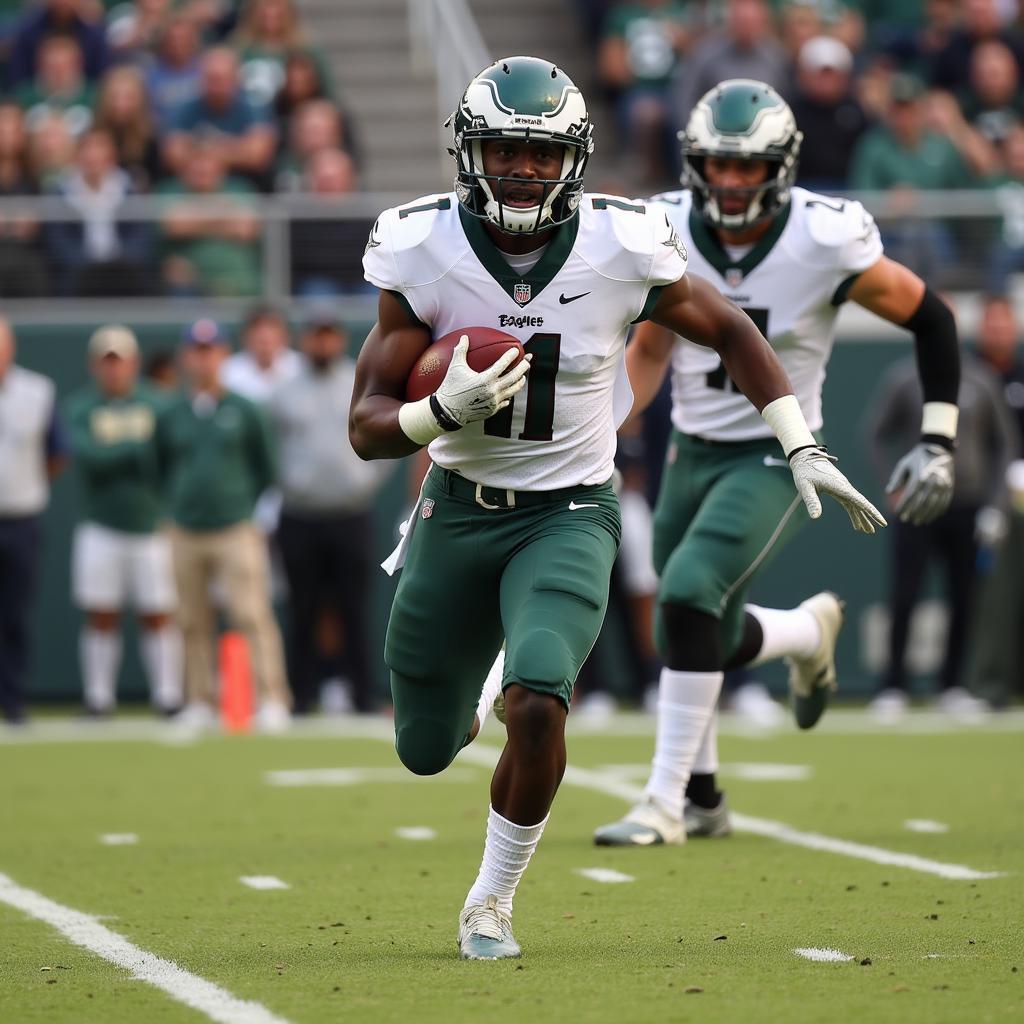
x=713, y=823
x=646, y=824
x=812, y=680
x=962, y=706
x=485, y=932
x=273, y=718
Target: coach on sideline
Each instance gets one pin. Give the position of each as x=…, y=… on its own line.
x=215, y=456
x=33, y=450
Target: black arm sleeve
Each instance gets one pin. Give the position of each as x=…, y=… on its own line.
x=937, y=348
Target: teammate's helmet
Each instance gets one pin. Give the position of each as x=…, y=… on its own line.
x=750, y=120
x=530, y=99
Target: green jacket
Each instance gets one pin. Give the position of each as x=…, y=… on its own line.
x=115, y=456
x=215, y=458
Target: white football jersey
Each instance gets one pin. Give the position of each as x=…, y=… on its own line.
x=791, y=284
x=599, y=273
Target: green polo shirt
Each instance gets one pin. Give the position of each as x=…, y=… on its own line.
x=115, y=457
x=215, y=457
x=880, y=161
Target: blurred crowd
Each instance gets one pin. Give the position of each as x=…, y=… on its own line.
x=108, y=99
x=903, y=96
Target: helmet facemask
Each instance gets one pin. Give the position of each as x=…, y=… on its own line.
x=745, y=120
x=529, y=100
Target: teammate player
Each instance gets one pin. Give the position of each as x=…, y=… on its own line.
x=790, y=258
x=517, y=527
x=120, y=557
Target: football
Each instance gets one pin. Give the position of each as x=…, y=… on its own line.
x=486, y=347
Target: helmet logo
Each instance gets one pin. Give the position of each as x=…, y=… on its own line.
x=462, y=191
x=734, y=277
x=522, y=293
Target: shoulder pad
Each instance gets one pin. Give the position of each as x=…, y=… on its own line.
x=832, y=223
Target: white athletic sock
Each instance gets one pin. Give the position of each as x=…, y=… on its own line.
x=100, y=654
x=161, y=653
x=706, y=761
x=507, y=850
x=792, y=632
x=686, y=704
x=492, y=687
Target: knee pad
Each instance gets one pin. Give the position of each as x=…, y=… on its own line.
x=541, y=656
x=427, y=746
x=688, y=639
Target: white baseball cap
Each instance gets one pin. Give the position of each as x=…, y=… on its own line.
x=113, y=340
x=825, y=52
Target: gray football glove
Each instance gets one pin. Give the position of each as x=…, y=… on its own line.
x=814, y=474
x=466, y=396
x=925, y=476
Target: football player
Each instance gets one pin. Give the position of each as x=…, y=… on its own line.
x=517, y=526
x=727, y=505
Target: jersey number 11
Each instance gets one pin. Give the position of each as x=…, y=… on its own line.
x=540, y=393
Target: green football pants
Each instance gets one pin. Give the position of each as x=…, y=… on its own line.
x=534, y=576
x=723, y=512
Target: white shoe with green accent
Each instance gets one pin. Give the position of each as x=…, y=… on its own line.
x=705, y=823
x=813, y=679
x=485, y=932
x=645, y=825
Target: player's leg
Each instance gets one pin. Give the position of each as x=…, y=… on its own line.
x=554, y=593
x=193, y=573
x=748, y=510
x=244, y=567
x=151, y=576
x=99, y=565
x=444, y=630
x=910, y=553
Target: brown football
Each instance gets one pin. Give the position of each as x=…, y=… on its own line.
x=486, y=347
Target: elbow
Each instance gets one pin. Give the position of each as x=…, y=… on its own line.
x=358, y=439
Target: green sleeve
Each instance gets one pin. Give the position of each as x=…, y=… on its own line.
x=262, y=451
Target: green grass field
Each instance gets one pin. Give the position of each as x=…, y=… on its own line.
x=366, y=929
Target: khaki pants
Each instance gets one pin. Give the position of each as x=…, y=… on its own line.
x=237, y=558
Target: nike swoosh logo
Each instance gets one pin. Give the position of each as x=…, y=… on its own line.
x=573, y=506
x=572, y=298
x=771, y=460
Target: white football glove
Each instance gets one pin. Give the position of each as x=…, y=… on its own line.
x=925, y=476
x=814, y=474
x=466, y=396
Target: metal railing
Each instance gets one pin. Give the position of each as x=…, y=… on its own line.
x=445, y=41
x=304, y=246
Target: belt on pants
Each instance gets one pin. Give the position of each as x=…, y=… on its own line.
x=500, y=498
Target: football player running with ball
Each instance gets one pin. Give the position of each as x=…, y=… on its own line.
x=518, y=526
x=790, y=258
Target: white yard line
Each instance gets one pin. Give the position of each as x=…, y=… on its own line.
x=610, y=786
x=359, y=776
x=132, y=729
x=824, y=956
x=263, y=882
x=609, y=876
x=85, y=930
x=925, y=825
x=747, y=771
x=119, y=839
x=416, y=833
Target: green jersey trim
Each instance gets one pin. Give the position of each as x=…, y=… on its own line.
x=649, y=303
x=840, y=295
x=534, y=280
x=407, y=306
x=711, y=249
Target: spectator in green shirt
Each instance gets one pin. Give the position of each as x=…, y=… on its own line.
x=209, y=252
x=120, y=558
x=215, y=456
x=923, y=143
x=59, y=86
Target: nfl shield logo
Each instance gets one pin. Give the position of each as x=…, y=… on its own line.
x=428, y=508
x=522, y=293
x=734, y=277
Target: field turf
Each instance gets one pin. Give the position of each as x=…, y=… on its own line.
x=365, y=931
